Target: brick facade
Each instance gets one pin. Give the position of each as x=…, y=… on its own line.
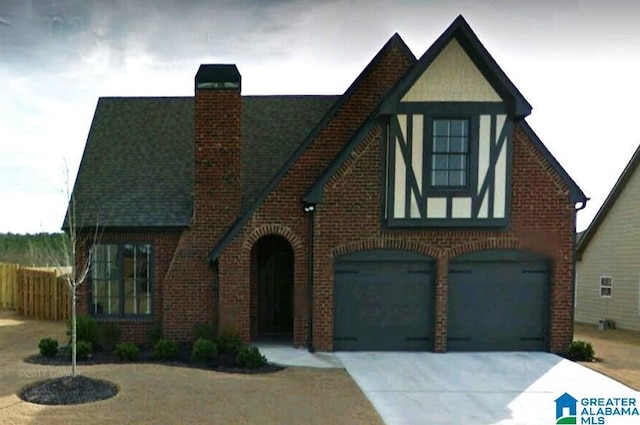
x=190, y=291
x=349, y=219
x=282, y=212
x=542, y=220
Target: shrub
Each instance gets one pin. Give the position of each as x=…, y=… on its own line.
x=203, y=331
x=229, y=342
x=581, y=351
x=127, y=352
x=86, y=330
x=155, y=333
x=251, y=358
x=204, y=350
x=83, y=350
x=108, y=335
x=165, y=349
x=48, y=347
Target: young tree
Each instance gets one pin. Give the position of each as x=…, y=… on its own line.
x=64, y=253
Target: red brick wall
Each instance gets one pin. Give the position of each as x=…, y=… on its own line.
x=185, y=283
x=542, y=220
x=164, y=246
x=190, y=280
x=282, y=212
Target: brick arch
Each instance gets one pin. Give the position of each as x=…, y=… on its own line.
x=501, y=243
x=385, y=243
x=299, y=275
x=278, y=230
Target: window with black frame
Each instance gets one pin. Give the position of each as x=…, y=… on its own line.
x=450, y=153
x=121, y=279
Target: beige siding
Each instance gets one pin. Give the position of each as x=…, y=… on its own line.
x=613, y=251
x=484, y=149
x=500, y=187
x=416, y=161
x=452, y=76
x=461, y=207
x=436, y=207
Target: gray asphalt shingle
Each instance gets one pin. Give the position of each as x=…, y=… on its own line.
x=137, y=168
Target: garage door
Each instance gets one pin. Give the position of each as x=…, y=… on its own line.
x=383, y=301
x=498, y=301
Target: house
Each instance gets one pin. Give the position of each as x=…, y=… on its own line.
x=608, y=267
x=416, y=211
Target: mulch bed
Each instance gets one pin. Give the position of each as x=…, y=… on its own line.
x=68, y=390
x=81, y=389
x=224, y=363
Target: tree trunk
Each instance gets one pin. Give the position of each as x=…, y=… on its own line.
x=73, y=332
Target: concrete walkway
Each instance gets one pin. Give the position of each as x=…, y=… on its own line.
x=286, y=355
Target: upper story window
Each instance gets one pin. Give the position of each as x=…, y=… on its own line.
x=121, y=279
x=606, y=286
x=448, y=165
x=450, y=153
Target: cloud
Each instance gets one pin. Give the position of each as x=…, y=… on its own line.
x=59, y=56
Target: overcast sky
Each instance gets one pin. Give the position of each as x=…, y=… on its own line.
x=577, y=62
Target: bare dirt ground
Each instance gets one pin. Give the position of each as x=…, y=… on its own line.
x=618, y=352
x=156, y=394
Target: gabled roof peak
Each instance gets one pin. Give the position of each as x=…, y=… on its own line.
x=462, y=32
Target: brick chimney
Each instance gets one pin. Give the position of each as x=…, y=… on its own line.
x=217, y=150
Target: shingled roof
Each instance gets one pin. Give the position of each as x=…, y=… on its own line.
x=272, y=128
x=137, y=167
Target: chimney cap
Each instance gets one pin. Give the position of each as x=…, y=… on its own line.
x=218, y=77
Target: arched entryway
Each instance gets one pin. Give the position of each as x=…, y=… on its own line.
x=272, y=288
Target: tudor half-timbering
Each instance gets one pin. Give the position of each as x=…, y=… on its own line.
x=416, y=211
x=449, y=145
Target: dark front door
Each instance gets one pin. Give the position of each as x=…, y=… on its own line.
x=275, y=287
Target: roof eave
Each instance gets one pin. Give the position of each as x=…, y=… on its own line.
x=576, y=195
x=315, y=193
x=617, y=189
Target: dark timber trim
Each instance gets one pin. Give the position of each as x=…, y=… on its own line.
x=475, y=190
x=445, y=108
x=447, y=222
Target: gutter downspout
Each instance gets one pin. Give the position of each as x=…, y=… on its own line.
x=575, y=259
x=310, y=209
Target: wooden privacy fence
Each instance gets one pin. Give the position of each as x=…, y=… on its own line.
x=40, y=294
x=8, y=285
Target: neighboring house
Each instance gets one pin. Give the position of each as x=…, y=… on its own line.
x=608, y=268
x=417, y=211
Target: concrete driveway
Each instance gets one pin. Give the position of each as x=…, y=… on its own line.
x=474, y=388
